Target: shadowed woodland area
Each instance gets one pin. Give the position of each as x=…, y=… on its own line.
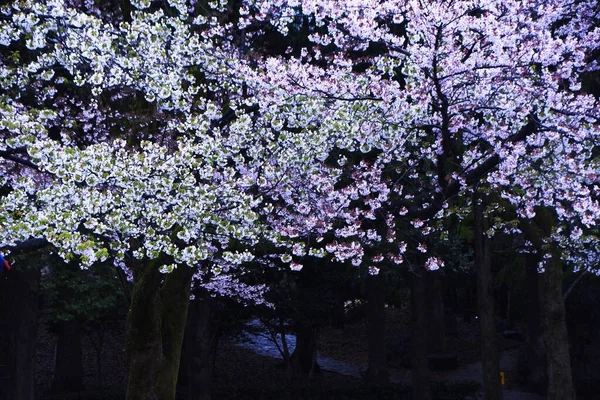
x=63, y=335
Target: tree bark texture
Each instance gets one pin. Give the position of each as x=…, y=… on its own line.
x=377, y=371
x=435, y=305
x=450, y=307
x=19, y=290
x=421, y=385
x=144, y=342
x=155, y=331
x=68, y=365
x=175, y=299
x=304, y=357
x=558, y=366
x=189, y=347
x=556, y=340
x=490, y=359
x=536, y=350
x=197, y=360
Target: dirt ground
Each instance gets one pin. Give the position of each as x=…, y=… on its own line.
x=241, y=374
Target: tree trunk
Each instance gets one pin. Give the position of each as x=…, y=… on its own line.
x=19, y=290
x=536, y=351
x=204, y=347
x=490, y=359
x=175, y=298
x=450, y=307
x=285, y=353
x=98, y=345
x=437, y=336
x=304, y=357
x=189, y=348
x=560, y=381
x=144, y=342
x=556, y=340
x=68, y=366
x=155, y=332
x=377, y=371
x=421, y=385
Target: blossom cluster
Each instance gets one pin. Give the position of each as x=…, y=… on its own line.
x=164, y=135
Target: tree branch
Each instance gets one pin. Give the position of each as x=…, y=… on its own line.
x=9, y=155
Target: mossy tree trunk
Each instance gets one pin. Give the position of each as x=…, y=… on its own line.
x=175, y=296
x=156, y=326
x=144, y=343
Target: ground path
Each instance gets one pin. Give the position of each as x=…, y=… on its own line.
x=259, y=341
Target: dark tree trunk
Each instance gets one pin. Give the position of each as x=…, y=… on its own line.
x=285, y=352
x=437, y=336
x=556, y=340
x=155, y=331
x=304, y=357
x=96, y=337
x=144, y=342
x=68, y=366
x=560, y=381
x=510, y=320
x=377, y=371
x=450, y=322
x=201, y=347
x=470, y=299
x=189, y=348
x=536, y=351
x=175, y=300
x=421, y=385
x=19, y=290
x=450, y=307
x=492, y=388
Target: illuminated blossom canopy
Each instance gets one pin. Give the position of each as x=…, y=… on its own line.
x=177, y=132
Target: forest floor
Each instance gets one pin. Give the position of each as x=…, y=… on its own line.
x=241, y=373
x=343, y=351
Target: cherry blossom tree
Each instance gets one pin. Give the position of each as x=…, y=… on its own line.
x=448, y=94
x=162, y=199
x=382, y=124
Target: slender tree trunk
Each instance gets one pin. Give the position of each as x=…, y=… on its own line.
x=285, y=349
x=492, y=388
x=437, y=336
x=68, y=365
x=510, y=323
x=98, y=344
x=19, y=290
x=536, y=350
x=560, y=381
x=377, y=371
x=189, y=348
x=450, y=308
x=421, y=385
